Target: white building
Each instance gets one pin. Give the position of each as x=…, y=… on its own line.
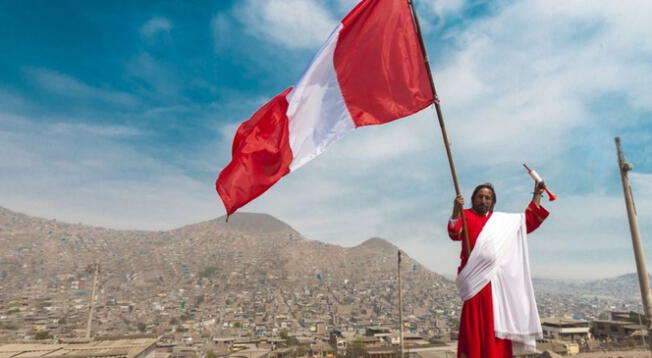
x=565, y=329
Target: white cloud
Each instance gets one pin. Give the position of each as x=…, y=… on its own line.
x=528, y=75
x=373, y=145
x=67, y=86
x=98, y=130
x=160, y=77
x=82, y=173
x=642, y=183
x=222, y=26
x=443, y=8
x=155, y=26
x=435, y=14
x=295, y=24
x=346, y=5
x=10, y=101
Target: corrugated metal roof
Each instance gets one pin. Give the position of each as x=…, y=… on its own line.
x=122, y=348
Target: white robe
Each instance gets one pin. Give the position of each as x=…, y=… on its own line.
x=500, y=256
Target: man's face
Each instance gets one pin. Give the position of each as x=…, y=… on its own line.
x=482, y=201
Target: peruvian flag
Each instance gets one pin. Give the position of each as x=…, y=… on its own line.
x=371, y=70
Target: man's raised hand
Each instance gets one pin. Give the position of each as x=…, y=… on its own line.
x=458, y=206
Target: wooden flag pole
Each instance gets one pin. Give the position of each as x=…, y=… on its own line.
x=440, y=117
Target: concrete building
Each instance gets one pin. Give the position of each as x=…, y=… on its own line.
x=620, y=328
x=565, y=329
x=224, y=343
x=123, y=348
x=617, y=331
x=381, y=352
x=337, y=341
x=378, y=331
x=320, y=327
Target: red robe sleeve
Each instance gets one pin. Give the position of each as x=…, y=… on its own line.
x=534, y=216
x=455, y=231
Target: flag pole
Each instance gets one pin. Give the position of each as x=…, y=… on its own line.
x=440, y=117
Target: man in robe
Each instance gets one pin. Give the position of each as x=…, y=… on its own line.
x=477, y=338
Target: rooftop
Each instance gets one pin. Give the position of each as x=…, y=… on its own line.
x=123, y=348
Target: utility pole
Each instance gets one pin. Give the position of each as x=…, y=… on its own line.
x=91, y=304
x=641, y=267
x=400, y=304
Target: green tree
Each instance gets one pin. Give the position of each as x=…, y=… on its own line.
x=210, y=354
x=141, y=326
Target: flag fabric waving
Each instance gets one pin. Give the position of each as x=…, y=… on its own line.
x=371, y=70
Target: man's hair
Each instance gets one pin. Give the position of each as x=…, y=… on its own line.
x=485, y=186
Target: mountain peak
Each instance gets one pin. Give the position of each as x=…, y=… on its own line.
x=246, y=223
x=254, y=223
x=377, y=243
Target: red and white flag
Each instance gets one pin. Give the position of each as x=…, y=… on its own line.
x=371, y=70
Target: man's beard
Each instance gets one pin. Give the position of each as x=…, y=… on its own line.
x=481, y=209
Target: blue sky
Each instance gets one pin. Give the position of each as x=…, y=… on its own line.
x=121, y=114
